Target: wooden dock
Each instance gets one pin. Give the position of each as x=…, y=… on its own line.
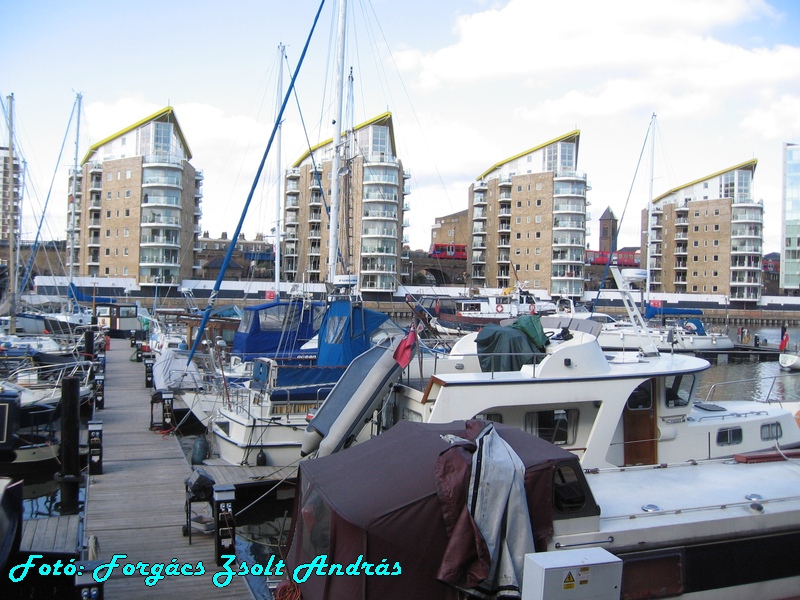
x=53, y=535
x=136, y=506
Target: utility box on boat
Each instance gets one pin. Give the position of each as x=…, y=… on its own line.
x=579, y=574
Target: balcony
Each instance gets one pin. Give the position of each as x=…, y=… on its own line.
x=157, y=180
x=150, y=220
x=161, y=200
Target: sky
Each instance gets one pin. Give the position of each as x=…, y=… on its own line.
x=469, y=84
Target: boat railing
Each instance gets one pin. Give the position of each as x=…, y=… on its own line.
x=256, y=405
x=723, y=386
x=44, y=376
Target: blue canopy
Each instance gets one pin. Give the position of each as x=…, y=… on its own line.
x=653, y=311
x=277, y=329
x=345, y=332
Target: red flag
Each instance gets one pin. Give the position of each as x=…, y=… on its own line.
x=402, y=354
x=784, y=341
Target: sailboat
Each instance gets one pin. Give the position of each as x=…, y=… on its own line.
x=263, y=421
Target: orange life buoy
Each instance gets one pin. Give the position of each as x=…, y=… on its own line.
x=498, y=308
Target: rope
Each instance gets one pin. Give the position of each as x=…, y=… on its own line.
x=288, y=590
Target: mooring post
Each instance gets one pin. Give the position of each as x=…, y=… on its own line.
x=70, y=476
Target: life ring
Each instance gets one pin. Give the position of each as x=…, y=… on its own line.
x=498, y=308
x=533, y=309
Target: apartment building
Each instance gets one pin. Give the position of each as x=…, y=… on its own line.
x=706, y=236
x=790, y=220
x=528, y=215
x=452, y=229
x=371, y=210
x=11, y=190
x=135, y=206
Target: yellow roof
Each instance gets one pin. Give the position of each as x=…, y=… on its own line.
x=165, y=114
x=750, y=164
x=381, y=118
x=575, y=133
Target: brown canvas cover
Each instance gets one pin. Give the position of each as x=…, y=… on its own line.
x=379, y=503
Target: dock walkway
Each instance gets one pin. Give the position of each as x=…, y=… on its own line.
x=136, y=506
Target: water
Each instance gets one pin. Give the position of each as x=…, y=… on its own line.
x=751, y=380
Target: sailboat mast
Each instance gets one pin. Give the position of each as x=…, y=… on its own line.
x=74, y=196
x=282, y=55
x=650, y=203
x=12, y=259
x=333, y=250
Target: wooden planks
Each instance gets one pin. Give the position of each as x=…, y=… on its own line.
x=53, y=534
x=136, y=506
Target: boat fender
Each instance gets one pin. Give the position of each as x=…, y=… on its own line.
x=498, y=308
x=261, y=459
x=797, y=418
x=199, y=450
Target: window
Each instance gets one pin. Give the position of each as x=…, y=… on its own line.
x=117, y=213
x=493, y=417
x=557, y=426
x=694, y=258
x=128, y=172
x=679, y=390
x=108, y=251
x=519, y=235
x=642, y=397
x=714, y=273
x=694, y=288
x=538, y=251
x=108, y=214
x=568, y=494
x=696, y=214
x=729, y=436
x=538, y=234
x=108, y=195
x=126, y=232
x=697, y=228
x=108, y=233
x=695, y=243
x=107, y=270
x=716, y=242
x=519, y=188
x=538, y=218
x=716, y=258
x=127, y=212
x=125, y=252
x=127, y=193
x=517, y=251
x=536, y=267
x=519, y=203
x=109, y=176
x=771, y=431
x=539, y=200
x=519, y=220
